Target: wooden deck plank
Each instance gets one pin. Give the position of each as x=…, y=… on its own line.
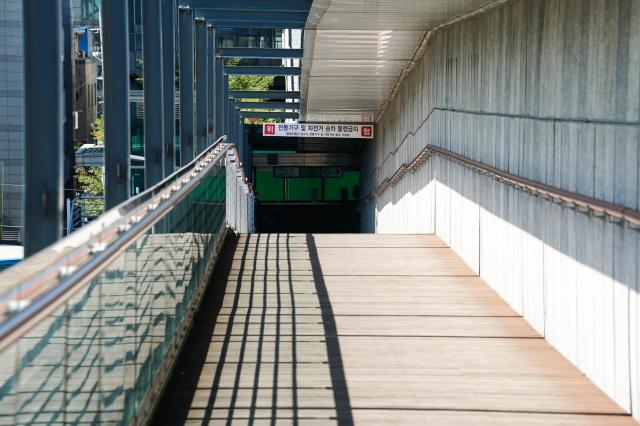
x=368, y=329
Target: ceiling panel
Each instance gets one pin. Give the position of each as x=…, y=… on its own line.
x=356, y=50
x=365, y=44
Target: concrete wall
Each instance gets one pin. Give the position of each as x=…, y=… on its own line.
x=548, y=90
x=11, y=106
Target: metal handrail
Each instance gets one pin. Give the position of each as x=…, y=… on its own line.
x=60, y=279
x=580, y=201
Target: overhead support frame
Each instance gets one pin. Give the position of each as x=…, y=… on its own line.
x=264, y=94
x=269, y=114
x=269, y=105
x=262, y=70
x=253, y=52
x=281, y=6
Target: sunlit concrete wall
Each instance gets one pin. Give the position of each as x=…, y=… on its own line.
x=547, y=90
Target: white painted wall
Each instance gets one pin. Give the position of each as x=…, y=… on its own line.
x=547, y=90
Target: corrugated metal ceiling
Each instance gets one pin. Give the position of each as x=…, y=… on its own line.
x=356, y=50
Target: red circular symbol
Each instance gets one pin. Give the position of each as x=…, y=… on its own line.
x=269, y=129
x=366, y=131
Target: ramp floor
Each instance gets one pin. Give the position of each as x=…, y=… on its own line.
x=367, y=329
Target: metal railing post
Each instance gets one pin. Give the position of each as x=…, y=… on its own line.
x=169, y=85
x=43, y=124
x=153, y=97
x=201, y=85
x=186, y=84
x=117, y=144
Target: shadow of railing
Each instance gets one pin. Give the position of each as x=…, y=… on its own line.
x=243, y=358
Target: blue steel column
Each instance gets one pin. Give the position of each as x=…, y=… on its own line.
x=168, y=87
x=246, y=159
x=186, y=84
x=224, y=103
x=153, y=106
x=115, y=69
x=234, y=125
x=219, y=106
x=228, y=119
x=211, y=82
x=43, y=120
x=68, y=72
x=249, y=162
x=201, y=85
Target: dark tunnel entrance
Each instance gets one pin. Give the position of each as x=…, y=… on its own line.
x=305, y=185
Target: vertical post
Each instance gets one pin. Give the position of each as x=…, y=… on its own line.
x=43, y=121
x=246, y=149
x=211, y=81
x=247, y=146
x=219, y=106
x=185, y=15
x=117, y=143
x=228, y=119
x=153, y=105
x=168, y=87
x=68, y=73
x=201, y=84
x=224, y=104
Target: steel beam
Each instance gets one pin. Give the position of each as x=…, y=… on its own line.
x=282, y=6
x=211, y=83
x=249, y=15
x=229, y=129
x=115, y=69
x=252, y=52
x=263, y=114
x=169, y=85
x=246, y=149
x=262, y=70
x=153, y=98
x=269, y=105
x=266, y=94
x=185, y=16
x=254, y=24
x=43, y=124
x=224, y=104
x=69, y=93
x=201, y=85
x=218, y=99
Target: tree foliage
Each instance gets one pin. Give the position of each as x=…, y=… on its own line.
x=89, y=179
x=247, y=82
x=97, y=130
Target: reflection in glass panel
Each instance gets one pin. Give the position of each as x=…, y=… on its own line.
x=95, y=357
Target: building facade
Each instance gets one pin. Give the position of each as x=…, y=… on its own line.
x=11, y=118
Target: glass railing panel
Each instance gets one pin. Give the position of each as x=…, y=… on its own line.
x=41, y=370
x=93, y=355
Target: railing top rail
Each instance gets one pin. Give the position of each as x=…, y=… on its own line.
x=571, y=198
x=42, y=282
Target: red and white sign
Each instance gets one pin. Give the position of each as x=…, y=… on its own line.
x=316, y=130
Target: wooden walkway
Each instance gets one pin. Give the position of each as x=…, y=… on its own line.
x=367, y=329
